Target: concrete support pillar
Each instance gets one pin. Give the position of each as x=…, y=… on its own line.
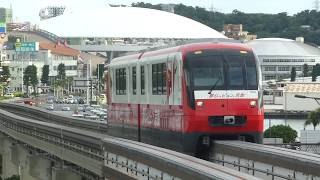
x=59, y=174
x=110, y=55
x=39, y=168
x=8, y=168
x=20, y=158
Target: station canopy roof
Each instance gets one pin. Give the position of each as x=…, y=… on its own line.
x=282, y=47
x=127, y=22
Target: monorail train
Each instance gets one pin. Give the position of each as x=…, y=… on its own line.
x=183, y=97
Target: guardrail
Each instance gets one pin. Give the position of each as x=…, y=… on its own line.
x=46, y=34
x=267, y=162
x=307, y=147
x=109, y=157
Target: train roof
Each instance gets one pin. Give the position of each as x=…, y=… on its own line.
x=184, y=49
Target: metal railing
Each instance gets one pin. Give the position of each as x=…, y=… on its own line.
x=306, y=147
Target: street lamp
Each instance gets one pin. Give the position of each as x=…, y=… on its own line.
x=307, y=97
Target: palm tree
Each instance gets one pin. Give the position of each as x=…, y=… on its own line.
x=313, y=118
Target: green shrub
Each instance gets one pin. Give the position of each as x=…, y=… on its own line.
x=4, y=98
x=281, y=131
x=18, y=94
x=14, y=177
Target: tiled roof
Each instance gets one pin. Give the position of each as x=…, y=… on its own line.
x=303, y=87
x=59, y=49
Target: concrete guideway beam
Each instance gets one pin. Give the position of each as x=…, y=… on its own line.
x=266, y=162
x=75, y=146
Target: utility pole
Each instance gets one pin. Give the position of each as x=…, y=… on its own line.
x=87, y=82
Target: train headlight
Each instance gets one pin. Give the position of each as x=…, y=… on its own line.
x=200, y=103
x=253, y=104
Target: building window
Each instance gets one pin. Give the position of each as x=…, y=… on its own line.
x=298, y=68
x=269, y=77
x=283, y=68
x=142, y=80
x=269, y=68
x=121, y=81
x=159, y=79
x=134, y=81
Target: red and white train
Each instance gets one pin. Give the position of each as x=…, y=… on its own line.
x=183, y=97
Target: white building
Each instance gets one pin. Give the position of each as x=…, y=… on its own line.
x=277, y=56
x=48, y=54
x=309, y=90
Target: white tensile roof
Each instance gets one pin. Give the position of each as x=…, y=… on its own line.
x=282, y=47
x=127, y=22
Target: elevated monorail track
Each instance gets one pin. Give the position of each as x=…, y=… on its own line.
x=267, y=162
x=108, y=157
x=123, y=155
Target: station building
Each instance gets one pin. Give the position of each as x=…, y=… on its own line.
x=44, y=54
x=277, y=56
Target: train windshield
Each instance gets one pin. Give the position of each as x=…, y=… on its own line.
x=220, y=72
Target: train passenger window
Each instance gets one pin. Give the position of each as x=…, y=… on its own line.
x=142, y=81
x=206, y=72
x=121, y=81
x=235, y=72
x=159, y=85
x=251, y=73
x=134, y=81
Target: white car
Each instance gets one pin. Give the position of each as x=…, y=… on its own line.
x=9, y=95
x=70, y=101
x=50, y=107
x=65, y=108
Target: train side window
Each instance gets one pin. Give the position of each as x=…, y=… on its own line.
x=121, y=81
x=134, y=81
x=159, y=86
x=143, y=90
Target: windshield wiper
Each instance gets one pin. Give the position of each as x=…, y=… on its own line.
x=215, y=84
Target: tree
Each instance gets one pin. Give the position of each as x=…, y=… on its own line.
x=61, y=71
x=305, y=70
x=34, y=78
x=5, y=74
x=100, y=71
x=45, y=75
x=317, y=69
x=293, y=74
x=313, y=118
x=26, y=77
x=314, y=74
x=281, y=131
x=30, y=77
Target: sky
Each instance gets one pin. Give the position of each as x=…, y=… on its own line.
x=28, y=10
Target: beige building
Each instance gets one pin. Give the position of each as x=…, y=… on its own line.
x=235, y=31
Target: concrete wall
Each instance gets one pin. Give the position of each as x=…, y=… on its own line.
x=292, y=103
x=310, y=136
